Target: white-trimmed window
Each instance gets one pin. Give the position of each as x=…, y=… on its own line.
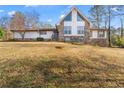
x=67, y=29
x=68, y=17
x=101, y=34
x=80, y=29
x=79, y=17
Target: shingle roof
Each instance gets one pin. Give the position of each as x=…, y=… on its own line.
x=34, y=30
x=92, y=29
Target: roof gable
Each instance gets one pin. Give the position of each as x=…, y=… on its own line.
x=81, y=14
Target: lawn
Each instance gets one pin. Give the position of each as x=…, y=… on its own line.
x=52, y=64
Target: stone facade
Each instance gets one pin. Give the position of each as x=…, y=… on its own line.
x=100, y=42
x=87, y=37
x=61, y=31
x=74, y=38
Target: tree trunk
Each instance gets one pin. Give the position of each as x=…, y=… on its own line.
x=22, y=35
x=97, y=12
x=122, y=32
x=109, y=28
x=105, y=24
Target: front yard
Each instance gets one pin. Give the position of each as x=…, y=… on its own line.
x=52, y=64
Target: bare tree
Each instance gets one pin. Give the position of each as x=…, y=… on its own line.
x=96, y=14
x=103, y=15
x=18, y=23
x=47, y=25
x=122, y=29
x=112, y=11
x=100, y=14
x=120, y=13
x=31, y=19
x=109, y=25
x=4, y=22
x=22, y=33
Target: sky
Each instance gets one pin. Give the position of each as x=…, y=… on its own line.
x=48, y=13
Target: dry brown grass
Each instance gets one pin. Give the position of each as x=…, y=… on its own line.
x=41, y=64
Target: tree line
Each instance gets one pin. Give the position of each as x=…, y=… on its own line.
x=23, y=20
x=102, y=15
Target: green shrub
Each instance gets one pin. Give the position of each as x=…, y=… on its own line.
x=40, y=39
x=118, y=41
x=113, y=40
x=1, y=33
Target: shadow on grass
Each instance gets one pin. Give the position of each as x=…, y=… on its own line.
x=71, y=74
x=63, y=72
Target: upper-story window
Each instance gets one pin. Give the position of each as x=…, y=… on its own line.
x=68, y=17
x=79, y=18
x=80, y=30
x=67, y=29
x=101, y=34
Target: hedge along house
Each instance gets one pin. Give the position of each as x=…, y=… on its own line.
x=33, y=34
x=76, y=27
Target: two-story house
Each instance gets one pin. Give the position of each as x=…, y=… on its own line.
x=73, y=27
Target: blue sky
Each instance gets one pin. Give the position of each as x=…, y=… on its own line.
x=48, y=13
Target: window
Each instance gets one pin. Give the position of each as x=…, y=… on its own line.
x=80, y=30
x=101, y=34
x=79, y=18
x=43, y=33
x=67, y=29
x=68, y=17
